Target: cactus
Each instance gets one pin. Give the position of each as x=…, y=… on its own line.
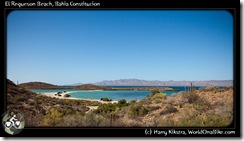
x=191, y=88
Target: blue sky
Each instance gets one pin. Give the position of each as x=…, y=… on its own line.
x=85, y=46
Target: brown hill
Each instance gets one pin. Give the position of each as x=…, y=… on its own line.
x=38, y=85
x=90, y=87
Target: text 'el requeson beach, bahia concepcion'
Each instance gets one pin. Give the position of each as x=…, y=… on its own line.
x=50, y=4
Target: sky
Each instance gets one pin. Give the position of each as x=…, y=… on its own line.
x=86, y=46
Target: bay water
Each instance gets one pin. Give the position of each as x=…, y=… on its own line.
x=128, y=95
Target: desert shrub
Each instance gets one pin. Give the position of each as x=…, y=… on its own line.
x=106, y=108
x=153, y=108
x=129, y=121
x=14, y=106
x=53, y=118
x=39, y=101
x=190, y=97
x=169, y=110
x=155, y=91
x=67, y=95
x=158, y=97
x=146, y=101
x=32, y=120
x=173, y=95
x=75, y=120
x=40, y=96
x=31, y=102
x=210, y=88
x=78, y=103
x=106, y=99
x=201, y=105
x=132, y=102
x=65, y=101
x=93, y=120
x=201, y=120
x=167, y=122
x=138, y=110
x=217, y=121
x=181, y=105
x=221, y=90
x=228, y=88
x=122, y=103
x=202, y=89
x=158, y=101
x=95, y=103
x=23, y=90
x=67, y=110
x=19, y=98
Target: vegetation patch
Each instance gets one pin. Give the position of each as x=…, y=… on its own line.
x=67, y=95
x=122, y=103
x=138, y=110
x=106, y=99
x=169, y=110
x=106, y=108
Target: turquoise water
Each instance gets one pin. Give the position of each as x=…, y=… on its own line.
x=98, y=94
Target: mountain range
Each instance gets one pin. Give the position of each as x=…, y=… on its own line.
x=138, y=82
x=127, y=82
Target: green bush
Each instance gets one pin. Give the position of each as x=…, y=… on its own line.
x=132, y=102
x=53, y=118
x=138, y=110
x=159, y=96
x=106, y=99
x=122, y=103
x=106, y=108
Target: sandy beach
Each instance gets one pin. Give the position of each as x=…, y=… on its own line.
x=52, y=94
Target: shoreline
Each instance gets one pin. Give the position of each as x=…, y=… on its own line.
x=52, y=94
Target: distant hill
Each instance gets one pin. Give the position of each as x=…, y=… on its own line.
x=38, y=85
x=90, y=87
x=137, y=82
